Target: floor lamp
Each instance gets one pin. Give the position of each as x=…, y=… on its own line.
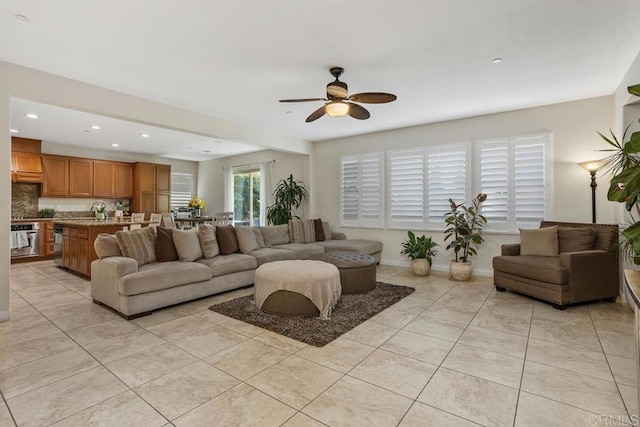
x=592, y=167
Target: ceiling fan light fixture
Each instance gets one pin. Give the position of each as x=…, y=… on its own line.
x=337, y=109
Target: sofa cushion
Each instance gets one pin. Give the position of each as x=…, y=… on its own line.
x=165, y=248
x=536, y=267
x=187, y=245
x=302, y=250
x=275, y=235
x=246, y=240
x=327, y=230
x=319, y=230
x=228, y=264
x=302, y=231
x=576, y=239
x=138, y=244
x=265, y=255
x=106, y=245
x=539, y=241
x=208, y=242
x=259, y=238
x=159, y=276
x=368, y=247
x=227, y=239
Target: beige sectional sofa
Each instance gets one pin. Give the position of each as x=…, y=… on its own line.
x=135, y=288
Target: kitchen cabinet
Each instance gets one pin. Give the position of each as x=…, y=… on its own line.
x=80, y=177
x=46, y=238
x=151, y=188
x=123, y=180
x=103, y=178
x=55, y=181
x=26, y=167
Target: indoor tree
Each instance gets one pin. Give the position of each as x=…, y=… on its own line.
x=288, y=195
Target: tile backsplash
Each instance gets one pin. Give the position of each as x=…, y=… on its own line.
x=24, y=200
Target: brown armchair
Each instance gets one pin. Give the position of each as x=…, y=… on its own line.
x=567, y=278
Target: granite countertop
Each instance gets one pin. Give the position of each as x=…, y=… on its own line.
x=633, y=284
x=82, y=218
x=95, y=223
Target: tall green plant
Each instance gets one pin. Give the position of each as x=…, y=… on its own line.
x=464, y=226
x=288, y=195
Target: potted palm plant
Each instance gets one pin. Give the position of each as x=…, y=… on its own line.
x=288, y=195
x=421, y=251
x=464, y=228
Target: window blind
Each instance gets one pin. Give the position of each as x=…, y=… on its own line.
x=181, y=189
x=529, y=179
x=493, y=158
x=446, y=178
x=361, y=190
x=406, y=182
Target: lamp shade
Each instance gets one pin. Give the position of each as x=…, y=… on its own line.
x=592, y=165
x=337, y=109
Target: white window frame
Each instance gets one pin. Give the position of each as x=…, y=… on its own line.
x=176, y=178
x=367, y=201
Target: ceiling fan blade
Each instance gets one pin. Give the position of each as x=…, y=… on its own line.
x=358, y=111
x=303, y=100
x=316, y=114
x=373, y=97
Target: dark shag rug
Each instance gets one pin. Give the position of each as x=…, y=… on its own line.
x=350, y=311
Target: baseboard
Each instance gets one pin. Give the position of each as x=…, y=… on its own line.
x=5, y=315
x=437, y=267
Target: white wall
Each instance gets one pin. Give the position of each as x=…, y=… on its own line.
x=573, y=126
x=5, y=200
x=211, y=175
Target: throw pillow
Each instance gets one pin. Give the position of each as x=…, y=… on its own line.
x=246, y=240
x=539, y=241
x=576, y=239
x=327, y=230
x=208, y=242
x=319, y=230
x=259, y=237
x=302, y=231
x=106, y=246
x=275, y=235
x=138, y=244
x=165, y=249
x=187, y=245
x=227, y=239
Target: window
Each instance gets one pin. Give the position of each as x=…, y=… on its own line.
x=514, y=174
x=181, y=189
x=246, y=197
x=361, y=190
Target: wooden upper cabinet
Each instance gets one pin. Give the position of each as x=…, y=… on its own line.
x=26, y=167
x=147, y=177
x=80, y=177
x=163, y=178
x=55, y=182
x=123, y=181
x=103, y=178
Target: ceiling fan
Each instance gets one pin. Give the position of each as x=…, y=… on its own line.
x=337, y=101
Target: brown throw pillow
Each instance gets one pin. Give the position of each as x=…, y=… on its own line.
x=576, y=239
x=138, y=244
x=539, y=241
x=246, y=240
x=208, y=242
x=227, y=240
x=165, y=249
x=187, y=245
x=319, y=230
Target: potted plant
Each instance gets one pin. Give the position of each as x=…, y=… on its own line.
x=464, y=227
x=101, y=212
x=288, y=195
x=47, y=213
x=421, y=251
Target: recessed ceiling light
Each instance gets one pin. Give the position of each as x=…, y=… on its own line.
x=144, y=135
x=14, y=130
x=115, y=145
x=96, y=127
x=205, y=151
x=288, y=112
x=31, y=115
x=22, y=18
x=496, y=60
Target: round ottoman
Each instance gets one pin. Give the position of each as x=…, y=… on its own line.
x=357, y=271
x=297, y=288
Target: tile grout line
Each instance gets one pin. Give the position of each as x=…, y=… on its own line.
x=524, y=362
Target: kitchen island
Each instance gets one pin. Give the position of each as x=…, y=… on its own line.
x=632, y=281
x=78, y=237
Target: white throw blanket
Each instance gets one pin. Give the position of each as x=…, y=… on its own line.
x=317, y=280
x=19, y=240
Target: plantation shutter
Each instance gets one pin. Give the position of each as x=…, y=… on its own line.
x=446, y=178
x=529, y=178
x=361, y=190
x=493, y=175
x=349, y=191
x=406, y=181
x=181, y=189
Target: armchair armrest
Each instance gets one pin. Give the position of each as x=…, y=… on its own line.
x=512, y=249
x=335, y=235
x=105, y=274
x=592, y=274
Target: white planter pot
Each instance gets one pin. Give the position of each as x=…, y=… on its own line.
x=420, y=267
x=461, y=271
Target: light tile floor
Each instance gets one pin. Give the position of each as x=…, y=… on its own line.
x=450, y=354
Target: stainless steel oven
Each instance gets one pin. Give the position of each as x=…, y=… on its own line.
x=25, y=240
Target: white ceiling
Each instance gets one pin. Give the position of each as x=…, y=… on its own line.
x=235, y=60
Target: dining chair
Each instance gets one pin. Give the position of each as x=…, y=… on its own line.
x=155, y=220
x=223, y=218
x=137, y=217
x=167, y=220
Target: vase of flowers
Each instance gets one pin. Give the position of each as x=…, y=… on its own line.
x=198, y=205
